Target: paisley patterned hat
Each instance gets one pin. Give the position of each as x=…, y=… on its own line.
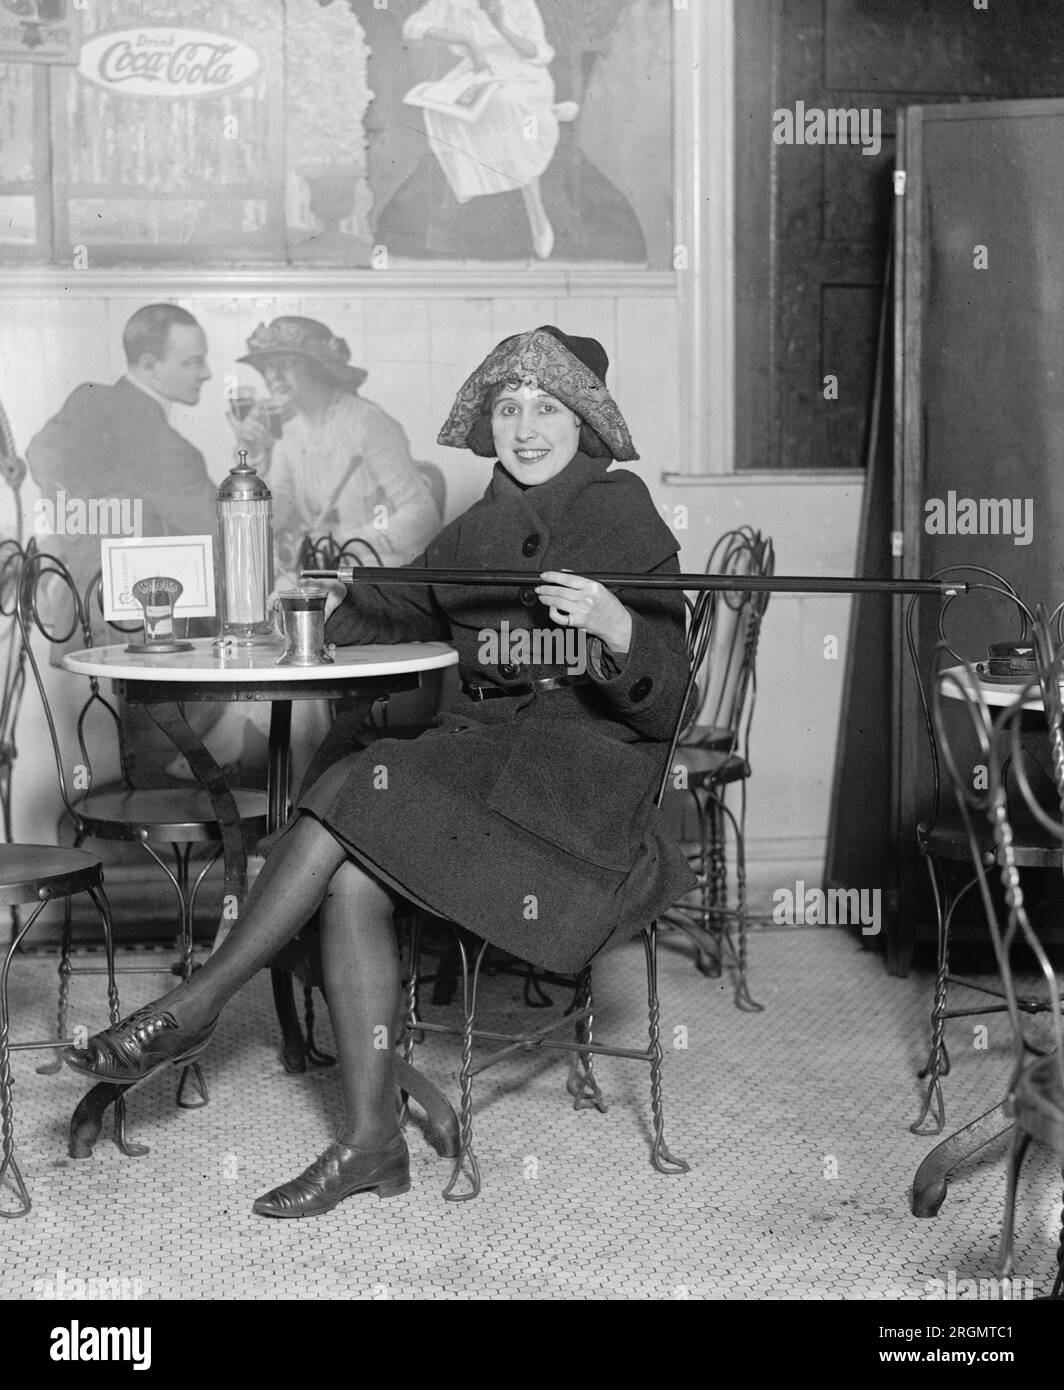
x=571, y=369
x=295, y=336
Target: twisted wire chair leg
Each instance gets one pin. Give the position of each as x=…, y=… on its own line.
x=412, y=1033
x=315, y=1056
x=1018, y=1147
x=125, y=1145
x=186, y=1098
x=52, y=1066
x=581, y=1083
x=660, y=1156
x=708, y=964
x=743, y=998
x=187, y=899
x=466, y=1158
x=9, y=1169
x=932, y=1116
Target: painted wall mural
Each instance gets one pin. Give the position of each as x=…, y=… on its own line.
x=344, y=132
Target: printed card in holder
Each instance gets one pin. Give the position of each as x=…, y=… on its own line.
x=187, y=559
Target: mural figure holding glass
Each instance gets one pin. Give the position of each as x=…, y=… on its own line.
x=492, y=121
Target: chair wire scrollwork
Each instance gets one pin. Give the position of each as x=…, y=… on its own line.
x=1035, y=1091
x=713, y=753
x=942, y=836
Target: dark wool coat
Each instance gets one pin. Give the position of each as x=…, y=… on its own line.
x=529, y=820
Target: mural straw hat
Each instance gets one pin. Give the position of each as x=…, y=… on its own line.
x=294, y=336
x=571, y=369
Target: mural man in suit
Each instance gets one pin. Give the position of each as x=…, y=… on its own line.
x=116, y=442
x=111, y=463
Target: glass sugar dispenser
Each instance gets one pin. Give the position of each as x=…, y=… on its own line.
x=245, y=536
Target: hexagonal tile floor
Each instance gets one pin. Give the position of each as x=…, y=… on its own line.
x=794, y=1121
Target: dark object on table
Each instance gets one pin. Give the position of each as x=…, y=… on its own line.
x=1006, y=664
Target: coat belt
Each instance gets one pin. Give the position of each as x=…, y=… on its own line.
x=495, y=692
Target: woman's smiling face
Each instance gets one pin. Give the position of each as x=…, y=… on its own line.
x=535, y=435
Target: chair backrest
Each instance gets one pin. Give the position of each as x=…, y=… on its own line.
x=50, y=607
x=727, y=665
x=437, y=484
x=1006, y=606
x=701, y=612
x=998, y=739
x=327, y=553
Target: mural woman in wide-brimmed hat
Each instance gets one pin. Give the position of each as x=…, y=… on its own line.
x=342, y=464
x=526, y=814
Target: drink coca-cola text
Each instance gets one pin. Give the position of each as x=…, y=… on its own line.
x=197, y=64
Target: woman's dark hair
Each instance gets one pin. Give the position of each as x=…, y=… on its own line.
x=482, y=442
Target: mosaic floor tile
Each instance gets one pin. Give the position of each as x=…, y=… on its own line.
x=795, y=1123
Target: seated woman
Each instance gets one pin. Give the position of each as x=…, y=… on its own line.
x=342, y=465
x=526, y=814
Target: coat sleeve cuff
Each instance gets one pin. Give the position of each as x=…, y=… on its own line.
x=604, y=663
x=627, y=677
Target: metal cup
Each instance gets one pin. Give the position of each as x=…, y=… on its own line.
x=300, y=616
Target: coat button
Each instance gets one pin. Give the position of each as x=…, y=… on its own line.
x=531, y=544
x=529, y=597
x=641, y=689
x=509, y=671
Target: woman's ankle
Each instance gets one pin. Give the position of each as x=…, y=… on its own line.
x=371, y=1138
x=189, y=1008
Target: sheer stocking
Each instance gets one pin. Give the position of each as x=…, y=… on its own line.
x=288, y=891
x=360, y=959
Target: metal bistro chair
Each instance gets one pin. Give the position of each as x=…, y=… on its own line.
x=713, y=755
x=38, y=875
x=1035, y=1093
x=581, y=1083
x=155, y=818
x=943, y=839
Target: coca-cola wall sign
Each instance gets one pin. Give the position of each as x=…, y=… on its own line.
x=165, y=62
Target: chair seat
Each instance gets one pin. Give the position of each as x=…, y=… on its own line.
x=28, y=871
x=174, y=814
x=1034, y=846
x=707, y=767
x=1038, y=1102
x=709, y=736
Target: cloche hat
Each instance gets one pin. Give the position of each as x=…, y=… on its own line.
x=569, y=368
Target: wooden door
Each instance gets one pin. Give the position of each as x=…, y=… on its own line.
x=979, y=397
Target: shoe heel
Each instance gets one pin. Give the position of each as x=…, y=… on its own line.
x=395, y=1188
